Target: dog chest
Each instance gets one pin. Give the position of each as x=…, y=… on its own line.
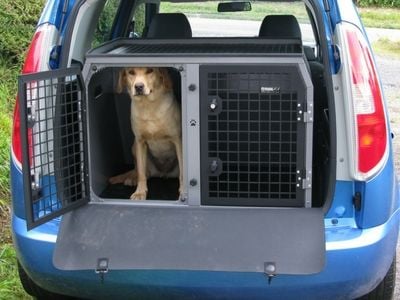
x=162, y=153
x=151, y=129
x=155, y=123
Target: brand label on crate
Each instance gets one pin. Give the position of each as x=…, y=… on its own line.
x=270, y=89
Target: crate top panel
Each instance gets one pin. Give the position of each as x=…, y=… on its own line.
x=200, y=47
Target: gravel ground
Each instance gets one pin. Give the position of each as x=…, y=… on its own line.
x=389, y=70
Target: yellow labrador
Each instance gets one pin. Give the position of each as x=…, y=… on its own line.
x=156, y=124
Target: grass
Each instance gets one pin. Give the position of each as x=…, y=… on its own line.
x=387, y=47
x=10, y=286
x=380, y=17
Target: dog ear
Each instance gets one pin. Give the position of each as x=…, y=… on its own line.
x=166, y=79
x=121, y=81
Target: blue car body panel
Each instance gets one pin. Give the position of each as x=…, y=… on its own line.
x=380, y=198
x=342, y=207
x=55, y=11
x=17, y=190
x=360, y=245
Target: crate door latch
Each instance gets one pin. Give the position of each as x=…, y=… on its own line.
x=102, y=268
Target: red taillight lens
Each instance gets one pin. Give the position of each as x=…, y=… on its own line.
x=16, y=137
x=370, y=117
x=32, y=64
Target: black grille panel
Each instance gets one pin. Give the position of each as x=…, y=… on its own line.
x=207, y=49
x=201, y=47
x=252, y=141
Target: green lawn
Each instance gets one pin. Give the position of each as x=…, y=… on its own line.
x=387, y=47
x=381, y=17
x=10, y=286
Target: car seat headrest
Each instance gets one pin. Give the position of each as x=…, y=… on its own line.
x=169, y=26
x=280, y=26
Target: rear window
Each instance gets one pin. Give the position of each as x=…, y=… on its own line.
x=206, y=21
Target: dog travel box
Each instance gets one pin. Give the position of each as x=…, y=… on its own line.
x=247, y=114
x=247, y=153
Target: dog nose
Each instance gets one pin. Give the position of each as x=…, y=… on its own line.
x=139, y=87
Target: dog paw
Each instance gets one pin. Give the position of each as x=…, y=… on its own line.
x=182, y=195
x=139, y=195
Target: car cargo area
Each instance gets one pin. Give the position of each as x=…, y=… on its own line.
x=247, y=120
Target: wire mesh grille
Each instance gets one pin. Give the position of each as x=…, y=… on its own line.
x=53, y=128
x=252, y=139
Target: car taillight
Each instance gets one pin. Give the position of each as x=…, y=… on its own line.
x=370, y=118
x=31, y=65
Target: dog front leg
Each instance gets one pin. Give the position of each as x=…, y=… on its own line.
x=178, y=148
x=141, y=160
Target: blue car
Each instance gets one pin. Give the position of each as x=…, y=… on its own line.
x=284, y=187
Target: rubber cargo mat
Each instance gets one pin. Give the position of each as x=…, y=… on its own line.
x=158, y=189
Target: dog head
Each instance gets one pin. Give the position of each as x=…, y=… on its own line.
x=144, y=81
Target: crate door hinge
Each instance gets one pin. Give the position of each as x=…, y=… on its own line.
x=304, y=179
x=305, y=115
x=270, y=270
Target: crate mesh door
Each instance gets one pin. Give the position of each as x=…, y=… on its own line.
x=252, y=143
x=52, y=136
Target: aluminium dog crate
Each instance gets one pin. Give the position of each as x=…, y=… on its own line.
x=247, y=113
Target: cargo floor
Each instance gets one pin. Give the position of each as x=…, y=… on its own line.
x=158, y=189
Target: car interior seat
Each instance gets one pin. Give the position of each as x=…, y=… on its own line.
x=169, y=26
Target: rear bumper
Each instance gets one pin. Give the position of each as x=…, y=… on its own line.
x=356, y=261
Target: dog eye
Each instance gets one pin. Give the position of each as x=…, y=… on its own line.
x=149, y=70
x=131, y=72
